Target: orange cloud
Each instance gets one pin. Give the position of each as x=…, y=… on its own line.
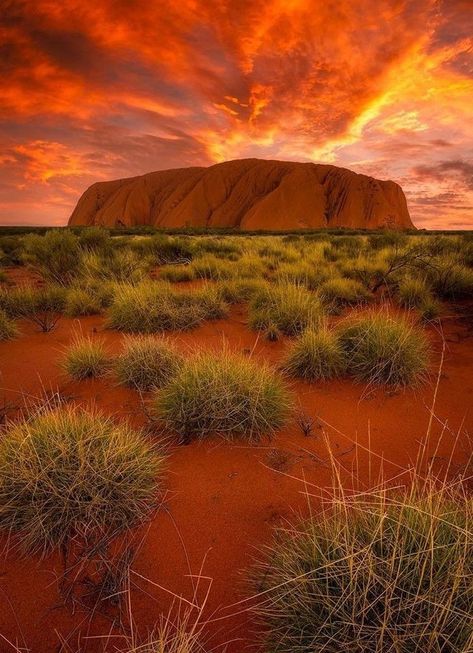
x=102, y=89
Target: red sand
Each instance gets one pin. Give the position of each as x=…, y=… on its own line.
x=224, y=499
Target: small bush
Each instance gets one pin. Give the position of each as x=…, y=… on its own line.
x=450, y=279
x=56, y=255
x=147, y=362
x=68, y=473
x=223, y=394
x=384, y=349
x=85, y=358
x=42, y=306
x=292, y=309
x=8, y=328
x=316, y=355
x=374, y=573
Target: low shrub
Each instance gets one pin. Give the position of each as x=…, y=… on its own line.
x=68, y=474
x=225, y=394
x=375, y=572
x=8, y=329
x=147, y=362
x=86, y=358
x=384, y=349
x=316, y=355
x=42, y=306
x=290, y=308
x=56, y=255
x=449, y=278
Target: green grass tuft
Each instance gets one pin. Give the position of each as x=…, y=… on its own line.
x=290, y=308
x=86, y=358
x=225, y=394
x=69, y=474
x=384, y=349
x=316, y=355
x=147, y=362
x=374, y=573
x=8, y=329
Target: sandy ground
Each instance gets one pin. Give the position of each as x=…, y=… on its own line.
x=223, y=500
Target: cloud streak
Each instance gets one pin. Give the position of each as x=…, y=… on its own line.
x=101, y=90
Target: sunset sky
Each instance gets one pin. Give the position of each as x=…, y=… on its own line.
x=99, y=89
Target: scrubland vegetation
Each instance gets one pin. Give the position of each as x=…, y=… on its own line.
x=379, y=571
x=375, y=571
x=67, y=474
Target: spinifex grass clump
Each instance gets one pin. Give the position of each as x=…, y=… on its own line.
x=339, y=292
x=316, y=355
x=384, y=349
x=153, y=307
x=8, y=328
x=413, y=293
x=288, y=307
x=224, y=394
x=147, y=362
x=81, y=302
x=86, y=358
x=70, y=474
x=374, y=573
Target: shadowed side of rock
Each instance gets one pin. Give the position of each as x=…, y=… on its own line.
x=247, y=194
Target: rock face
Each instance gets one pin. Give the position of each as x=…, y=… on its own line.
x=246, y=194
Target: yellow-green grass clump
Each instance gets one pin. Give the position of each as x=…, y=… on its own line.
x=227, y=395
x=8, y=329
x=413, y=292
x=211, y=267
x=381, y=348
x=236, y=291
x=316, y=355
x=68, y=474
x=177, y=273
x=340, y=291
x=373, y=573
x=81, y=302
x=154, y=307
x=147, y=362
x=86, y=358
x=290, y=308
